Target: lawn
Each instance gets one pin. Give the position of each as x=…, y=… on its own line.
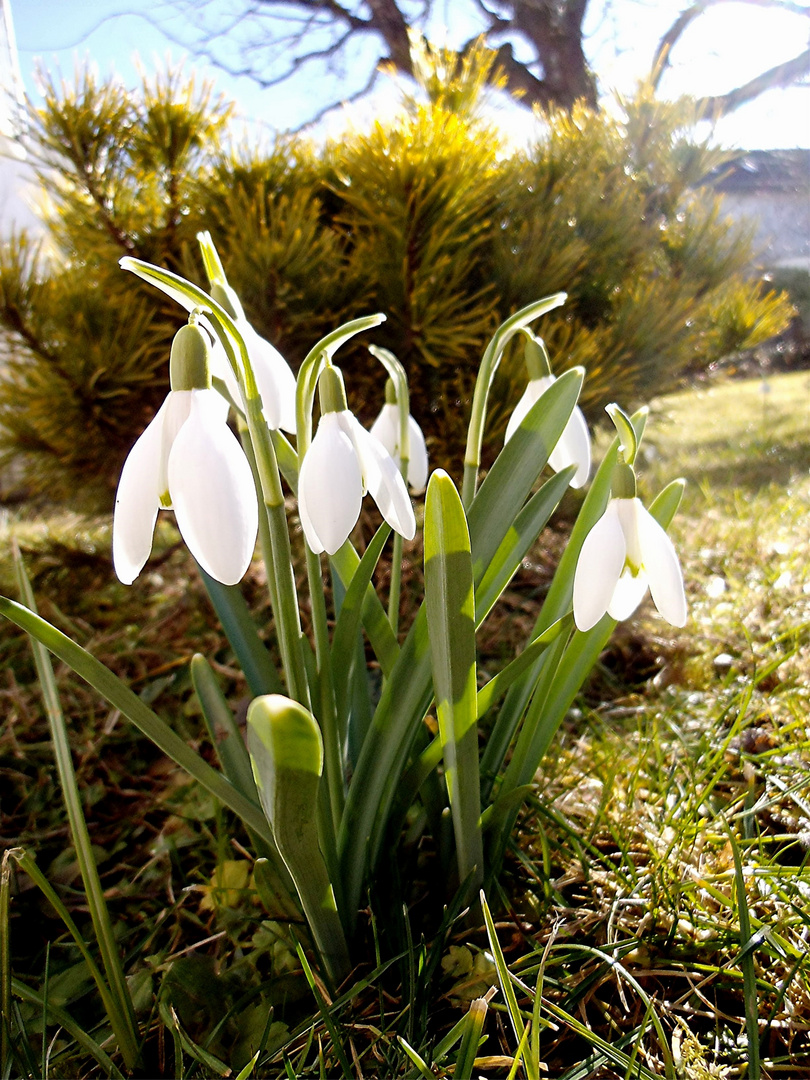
x=658, y=889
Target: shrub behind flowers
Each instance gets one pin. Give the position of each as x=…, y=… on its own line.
x=428, y=218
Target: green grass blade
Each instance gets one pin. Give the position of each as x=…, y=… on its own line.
x=517, y=467
x=5, y=966
x=326, y=1015
x=468, y=1051
x=149, y=723
x=424, y=1069
x=240, y=630
x=521, y=535
x=29, y=866
x=746, y=962
x=59, y=1016
x=450, y=607
x=119, y=1005
x=505, y=982
x=520, y=1052
x=244, y=1073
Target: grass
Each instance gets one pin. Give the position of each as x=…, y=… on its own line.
x=654, y=914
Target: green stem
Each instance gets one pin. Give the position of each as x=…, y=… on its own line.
x=279, y=566
x=120, y=1010
x=327, y=714
x=483, y=384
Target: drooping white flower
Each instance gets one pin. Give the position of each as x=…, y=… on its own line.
x=574, y=446
x=274, y=378
x=386, y=429
x=190, y=461
x=626, y=552
x=343, y=462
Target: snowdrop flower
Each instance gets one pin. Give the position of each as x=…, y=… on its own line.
x=342, y=463
x=574, y=446
x=626, y=552
x=386, y=429
x=188, y=460
x=274, y=378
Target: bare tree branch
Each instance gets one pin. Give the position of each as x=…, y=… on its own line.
x=786, y=74
x=663, y=52
x=539, y=45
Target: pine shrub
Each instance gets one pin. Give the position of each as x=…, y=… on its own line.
x=427, y=217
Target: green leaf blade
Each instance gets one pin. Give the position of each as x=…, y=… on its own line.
x=450, y=607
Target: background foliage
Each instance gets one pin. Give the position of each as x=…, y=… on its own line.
x=427, y=217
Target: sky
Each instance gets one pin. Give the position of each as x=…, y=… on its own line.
x=727, y=45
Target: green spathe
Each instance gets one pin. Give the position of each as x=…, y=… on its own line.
x=288, y=731
x=189, y=366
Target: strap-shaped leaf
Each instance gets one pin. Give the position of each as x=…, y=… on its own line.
x=240, y=630
x=496, y=687
x=348, y=623
x=121, y=697
x=519, y=538
x=408, y=688
x=405, y=698
x=450, y=606
x=563, y=681
x=556, y=604
x=514, y=472
x=386, y=648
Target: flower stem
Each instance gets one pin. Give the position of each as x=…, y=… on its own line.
x=483, y=385
x=396, y=583
x=279, y=565
x=327, y=713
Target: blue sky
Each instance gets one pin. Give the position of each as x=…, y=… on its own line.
x=727, y=45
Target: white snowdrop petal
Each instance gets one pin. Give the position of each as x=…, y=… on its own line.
x=630, y=511
x=213, y=493
x=221, y=369
x=532, y=394
x=627, y=595
x=663, y=569
x=177, y=407
x=382, y=478
x=274, y=379
x=574, y=448
x=137, y=500
x=330, y=488
x=599, y=567
x=418, y=456
x=386, y=428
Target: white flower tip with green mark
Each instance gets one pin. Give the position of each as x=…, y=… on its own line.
x=342, y=463
x=626, y=552
x=386, y=429
x=574, y=445
x=188, y=458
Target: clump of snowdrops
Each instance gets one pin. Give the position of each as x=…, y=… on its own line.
x=337, y=761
